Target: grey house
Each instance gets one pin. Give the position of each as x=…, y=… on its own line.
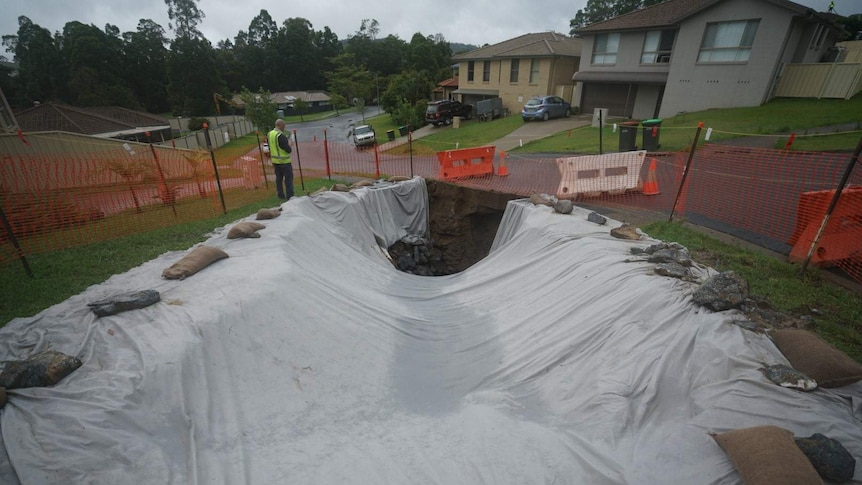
x=692, y=55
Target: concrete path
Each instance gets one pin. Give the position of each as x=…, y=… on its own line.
x=534, y=130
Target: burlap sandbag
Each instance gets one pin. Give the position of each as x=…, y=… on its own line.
x=815, y=358
x=264, y=214
x=398, y=178
x=198, y=259
x=245, y=229
x=767, y=455
x=362, y=183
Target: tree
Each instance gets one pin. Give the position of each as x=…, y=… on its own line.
x=598, y=10
x=146, y=56
x=300, y=105
x=185, y=17
x=259, y=108
x=95, y=66
x=193, y=77
x=41, y=70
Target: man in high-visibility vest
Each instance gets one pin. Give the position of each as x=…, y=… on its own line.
x=279, y=152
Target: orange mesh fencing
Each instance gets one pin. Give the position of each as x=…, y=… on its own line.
x=64, y=190
x=59, y=190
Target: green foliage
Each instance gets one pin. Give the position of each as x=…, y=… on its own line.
x=192, y=77
x=196, y=124
x=598, y=10
x=259, y=109
x=406, y=114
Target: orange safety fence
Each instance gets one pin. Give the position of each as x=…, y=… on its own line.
x=765, y=196
x=59, y=190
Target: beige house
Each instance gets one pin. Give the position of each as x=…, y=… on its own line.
x=517, y=69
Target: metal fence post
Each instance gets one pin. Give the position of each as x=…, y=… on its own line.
x=215, y=167
x=685, y=172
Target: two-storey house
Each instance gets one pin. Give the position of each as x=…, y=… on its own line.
x=518, y=69
x=692, y=55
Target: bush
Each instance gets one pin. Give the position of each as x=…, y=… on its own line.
x=196, y=124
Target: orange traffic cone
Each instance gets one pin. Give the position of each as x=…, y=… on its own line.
x=651, y=184
x=502, y=170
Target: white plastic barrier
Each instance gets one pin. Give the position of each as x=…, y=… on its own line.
x=591, y=175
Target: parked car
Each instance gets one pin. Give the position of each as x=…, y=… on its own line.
x=546, y=107
x=441, y=112
x=364, y=135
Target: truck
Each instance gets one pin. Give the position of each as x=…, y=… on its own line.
x=364, y=136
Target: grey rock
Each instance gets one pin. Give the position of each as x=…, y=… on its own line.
x=670, y=255
x=564, y=206
x=722, y=292
x=786, y=376
x=748, y=325
x=43, y=369
x=673, y=270
x=124, y=302
x=406, y=262
x=829, y=457
x=596, y=218
x=626, y=231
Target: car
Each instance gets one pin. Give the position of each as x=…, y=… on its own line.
x=364, y=135
x=546, y=107
x=441, y=112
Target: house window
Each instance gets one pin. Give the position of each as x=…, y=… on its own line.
x=728, y=41
x=513, y=70
x=605, y=48
x=657, y=46
x=486, y=71
x=534, y=71
x=470, y=67
x=818, y=37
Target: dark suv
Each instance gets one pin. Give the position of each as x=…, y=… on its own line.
x=441, y=112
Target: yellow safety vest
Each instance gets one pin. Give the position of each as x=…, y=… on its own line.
x=278, y=155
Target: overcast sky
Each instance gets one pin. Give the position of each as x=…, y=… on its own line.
x=465, y=21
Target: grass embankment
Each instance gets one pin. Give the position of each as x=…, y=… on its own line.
x=836, y=312
x=61, y=274
x=779, y=116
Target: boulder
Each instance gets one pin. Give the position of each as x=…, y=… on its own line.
x=829, y=457
x=124, y=302
x=43, y=369
x=597, y=218
x=626, y=231
x=722, y=292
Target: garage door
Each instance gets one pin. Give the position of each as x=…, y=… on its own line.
x=619, y=99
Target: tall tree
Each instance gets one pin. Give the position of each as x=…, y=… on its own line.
x=185, y=17
x=95, y=66
x=193, y=77
x=41, y=70
x=146, y=56
x=598, y=10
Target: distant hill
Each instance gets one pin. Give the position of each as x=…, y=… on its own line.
x=459, y=48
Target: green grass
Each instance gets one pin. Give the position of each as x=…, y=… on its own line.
x=472, y=133
x=779, y=116
x=61, y=274
x=839, y=318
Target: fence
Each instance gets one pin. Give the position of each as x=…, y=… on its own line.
x=227, y=129
x=62, y=189
x=58, y=190
x=821, y=80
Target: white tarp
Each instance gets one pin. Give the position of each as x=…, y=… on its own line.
x=306, y=358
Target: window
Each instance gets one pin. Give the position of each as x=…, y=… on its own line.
x=486, y=71
x=513, y=70
x=470, y=67
x=657, y=46
x=605, y=48
x=728, y=41
x=534, y=71
x=818, y=37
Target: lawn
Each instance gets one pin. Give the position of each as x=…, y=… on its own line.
x=61, y=274
x=779, y=116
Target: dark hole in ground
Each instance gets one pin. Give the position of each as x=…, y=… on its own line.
x=463, y=223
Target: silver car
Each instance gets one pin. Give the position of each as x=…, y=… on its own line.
x=546, y=107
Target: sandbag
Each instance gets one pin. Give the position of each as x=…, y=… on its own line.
x=245, y=229
x=265, y=214
x=198, y=259
x=820, y=361
x=767, y=455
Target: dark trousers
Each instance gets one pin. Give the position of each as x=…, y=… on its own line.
x=283, y=172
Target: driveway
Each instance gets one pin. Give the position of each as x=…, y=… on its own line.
x=534, y=130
